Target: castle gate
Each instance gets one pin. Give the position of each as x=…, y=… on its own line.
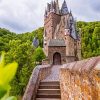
x=57, y=59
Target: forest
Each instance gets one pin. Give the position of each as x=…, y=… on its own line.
x=90, y=37
x=20, y=48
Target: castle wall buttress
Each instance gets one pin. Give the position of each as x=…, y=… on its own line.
x=70, y=46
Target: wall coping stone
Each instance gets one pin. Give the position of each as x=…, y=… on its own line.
x=86, y=65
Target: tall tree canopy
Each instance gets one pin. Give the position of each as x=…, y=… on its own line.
x=90, y=36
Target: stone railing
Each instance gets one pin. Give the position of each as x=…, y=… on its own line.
x=81, y=80
x=39, y=73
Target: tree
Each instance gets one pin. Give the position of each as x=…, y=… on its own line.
x=18, y=47
x=90, y=38
x=21, y=53
x=38, y=55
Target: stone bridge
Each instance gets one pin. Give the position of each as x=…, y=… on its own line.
x=77, y=81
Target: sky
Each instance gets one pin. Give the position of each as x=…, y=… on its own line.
x=27, y=15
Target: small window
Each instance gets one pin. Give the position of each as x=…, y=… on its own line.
x=45, y=43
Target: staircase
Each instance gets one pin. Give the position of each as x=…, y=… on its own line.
x=49, y=90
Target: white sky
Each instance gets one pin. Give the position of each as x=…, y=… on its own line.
x=26, y=15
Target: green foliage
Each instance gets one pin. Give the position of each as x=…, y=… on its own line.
x=18, y=47
x=7, y=73
x=21, y=53
x=5, y=37
x=90, y=38
x=38, y=55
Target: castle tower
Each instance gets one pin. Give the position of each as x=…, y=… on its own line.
x=51, y=19
x=60, y=35
x=57, y=6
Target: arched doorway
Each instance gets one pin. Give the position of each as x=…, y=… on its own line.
x=57, y=59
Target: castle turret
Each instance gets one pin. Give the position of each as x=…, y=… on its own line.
x=64, y=9
x=50, y=22
x=45, y=15
x=57, y=7
x=52, y=9
x=48, y=7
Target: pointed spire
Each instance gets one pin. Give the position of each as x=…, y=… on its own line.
x=57, y=6
x=45, y=12
x=48, y=7
x=56, y=1
x=52, y=7
x=70, y=13
x=64, y=9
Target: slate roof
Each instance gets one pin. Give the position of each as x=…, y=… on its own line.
x=64, y=9
x=35, y=42
x=57, y=42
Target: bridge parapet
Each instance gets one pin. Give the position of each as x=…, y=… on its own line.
x=81, y=80
x=39, y=73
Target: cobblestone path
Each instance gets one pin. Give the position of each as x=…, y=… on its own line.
x=54, y=76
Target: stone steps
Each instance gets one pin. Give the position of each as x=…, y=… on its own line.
x=49, y=87
x=50, y=83
x=44, y=95
x=49, y=91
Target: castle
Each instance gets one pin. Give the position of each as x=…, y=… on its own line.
x=62, y=44
x=57, y=78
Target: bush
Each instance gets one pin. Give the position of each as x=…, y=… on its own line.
x=7, y=73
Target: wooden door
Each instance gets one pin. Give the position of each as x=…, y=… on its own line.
x=57, y=59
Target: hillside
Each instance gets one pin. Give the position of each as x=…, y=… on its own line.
x=19, y=48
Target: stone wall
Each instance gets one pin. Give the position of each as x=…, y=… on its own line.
x=81, y=80
x=39, y=73
x=70, y=45
x=70, y=59
x=53, y=50
x=50, y=23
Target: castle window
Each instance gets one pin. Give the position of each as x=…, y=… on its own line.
x=69, y=31
x=45, y=43
x=78, y=43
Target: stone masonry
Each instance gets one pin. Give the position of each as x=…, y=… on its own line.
x=81, y=80
x=59, y=24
